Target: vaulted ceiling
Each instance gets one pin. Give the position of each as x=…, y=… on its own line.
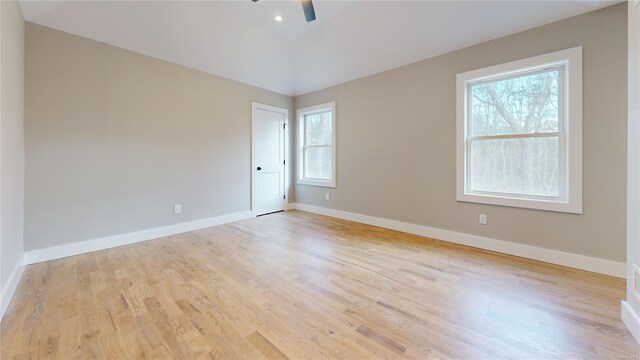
x=241, y=40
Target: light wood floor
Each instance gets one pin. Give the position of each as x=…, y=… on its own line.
x=303, y=286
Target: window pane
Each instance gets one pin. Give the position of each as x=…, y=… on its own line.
x=521, y=105
x=527, y=166
x=318, y=129
x=318, y=162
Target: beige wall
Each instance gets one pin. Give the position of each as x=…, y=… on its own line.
x=396, y=141
x=11, y=141
x=114, y=139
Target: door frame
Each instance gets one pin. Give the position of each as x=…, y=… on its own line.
x=285, y=149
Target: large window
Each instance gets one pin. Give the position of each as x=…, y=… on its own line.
x=520, y=133
x=317, y=146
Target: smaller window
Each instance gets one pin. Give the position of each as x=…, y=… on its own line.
x=317, y=145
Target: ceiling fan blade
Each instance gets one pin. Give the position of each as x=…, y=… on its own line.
x=309, y=12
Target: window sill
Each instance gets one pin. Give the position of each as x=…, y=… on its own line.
x=328, y=184
x=532, y=203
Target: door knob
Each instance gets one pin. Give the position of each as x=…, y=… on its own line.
x=259, y=168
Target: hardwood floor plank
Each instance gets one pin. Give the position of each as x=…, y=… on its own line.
x=298, y=285
x=266, y=347
x=381, y=339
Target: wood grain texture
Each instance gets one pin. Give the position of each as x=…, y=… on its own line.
x=302, y=286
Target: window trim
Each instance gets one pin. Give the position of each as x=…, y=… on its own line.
x=571, y=202
x=330, y=106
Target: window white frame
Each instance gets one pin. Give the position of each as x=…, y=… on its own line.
x=331, y=106
x=570, y=131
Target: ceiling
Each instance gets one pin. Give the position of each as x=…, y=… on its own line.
x=240, y=40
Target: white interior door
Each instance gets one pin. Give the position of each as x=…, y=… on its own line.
x=268, y=159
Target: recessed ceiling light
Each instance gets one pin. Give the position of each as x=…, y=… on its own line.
x=278, y=18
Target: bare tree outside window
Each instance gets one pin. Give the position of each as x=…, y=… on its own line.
x=318, y=150
x=514, y=134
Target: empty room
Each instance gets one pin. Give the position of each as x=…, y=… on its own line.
x=316, y=179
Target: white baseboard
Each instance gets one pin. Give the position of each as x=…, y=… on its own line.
x=602, y=266
x=10, y=287
x=631, y=319
x=61, y=251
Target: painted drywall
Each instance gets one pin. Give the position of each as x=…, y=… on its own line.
x=114, y=139
x=633, y=206
x=396, y=142
x=11, y=145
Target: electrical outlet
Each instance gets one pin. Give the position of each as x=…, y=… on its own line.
x=327, y=196
x=483, y=219
x=177, y=209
